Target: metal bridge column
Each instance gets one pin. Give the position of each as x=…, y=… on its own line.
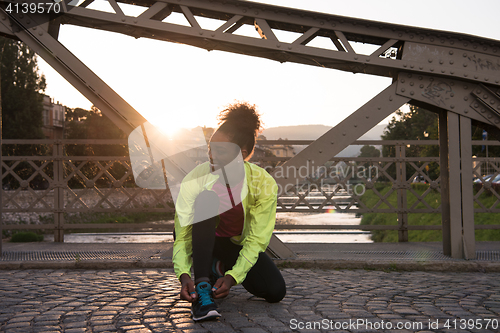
x=58, y=192
x=456, y=196
x=1, y=174
x=402, y=188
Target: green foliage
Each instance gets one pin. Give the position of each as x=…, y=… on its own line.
x=369, y=151
x=418, y=124
x=433, y=198
x=419, y=187
x=92, y=124
x=21, y=91
x=26, y=236
x=21, y=88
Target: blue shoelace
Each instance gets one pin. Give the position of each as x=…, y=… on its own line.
x=204, y=295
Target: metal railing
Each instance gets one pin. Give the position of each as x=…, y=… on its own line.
x=46, y=181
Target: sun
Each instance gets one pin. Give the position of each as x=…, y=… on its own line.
x=169, y=129
x=169, y=124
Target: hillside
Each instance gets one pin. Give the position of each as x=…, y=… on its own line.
x=312, y=132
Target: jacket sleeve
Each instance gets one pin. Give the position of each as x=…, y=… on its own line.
x=184, y=210
x=182, y=250
x=262, y=218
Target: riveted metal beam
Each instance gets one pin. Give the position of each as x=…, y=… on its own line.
x=415, y=49
x=458, y=96
x=488, y=101
x=439, y=60
x=74, y=71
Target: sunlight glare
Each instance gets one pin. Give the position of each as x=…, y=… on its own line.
x=169, y=124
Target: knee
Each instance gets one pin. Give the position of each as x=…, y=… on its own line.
x=206, y=206
x=277, y=293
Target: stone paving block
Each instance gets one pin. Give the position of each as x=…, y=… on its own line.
x=150, y=320
x=282, y=329
x=133, y=327
x=76, y=330
x=252, y=330
x=216, y=326
x=163, y=327
x=103, y=328
x=47, y=328
x=76, y=324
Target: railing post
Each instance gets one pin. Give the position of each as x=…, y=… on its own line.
x=58, y=191
x=1, y=180
x=401, y=186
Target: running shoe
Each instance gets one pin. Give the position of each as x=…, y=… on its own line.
x=204, y=307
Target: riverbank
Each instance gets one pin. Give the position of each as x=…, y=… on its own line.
x=433, y=199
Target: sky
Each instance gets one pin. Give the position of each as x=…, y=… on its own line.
x=175, y=85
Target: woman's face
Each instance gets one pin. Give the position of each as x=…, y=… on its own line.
x=221, y=150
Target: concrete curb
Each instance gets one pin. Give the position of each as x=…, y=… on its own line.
x=385, y=265
x=86, y=264
x=392, y=265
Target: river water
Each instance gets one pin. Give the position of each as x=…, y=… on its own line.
x=287, y=236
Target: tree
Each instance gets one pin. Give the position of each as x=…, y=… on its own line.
x=369, y=151
x=418, y=124
x=21, y=96
x=92, y=124
x=22, y=88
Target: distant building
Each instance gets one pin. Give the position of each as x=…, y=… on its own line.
x=208, y=132
x=282, y=150
x=53, y=118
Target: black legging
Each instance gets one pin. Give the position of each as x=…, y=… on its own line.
x=263, y=280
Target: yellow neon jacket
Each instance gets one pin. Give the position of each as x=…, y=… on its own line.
x=259, y=197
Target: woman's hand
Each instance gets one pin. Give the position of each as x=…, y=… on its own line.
x=222, y=286
x=187, y=288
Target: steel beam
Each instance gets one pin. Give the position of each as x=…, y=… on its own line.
x=467, y=99
x=456, y=185
x=401, y=190
x=339, y=137
x=468, y=233
x=75, y=72
x=59, y=186
x=416, y=50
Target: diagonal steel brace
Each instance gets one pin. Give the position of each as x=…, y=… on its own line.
x=338, y=138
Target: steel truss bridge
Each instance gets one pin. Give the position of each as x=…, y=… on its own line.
x=452, y=74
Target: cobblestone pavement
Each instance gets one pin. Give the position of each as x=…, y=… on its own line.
x=146, y=300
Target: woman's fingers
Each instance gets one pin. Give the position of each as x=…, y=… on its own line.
x=222, y=286
x=188, y=292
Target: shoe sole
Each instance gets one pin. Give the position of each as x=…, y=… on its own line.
x=212, y=314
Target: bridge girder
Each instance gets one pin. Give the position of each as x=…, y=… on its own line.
x=415, y=49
